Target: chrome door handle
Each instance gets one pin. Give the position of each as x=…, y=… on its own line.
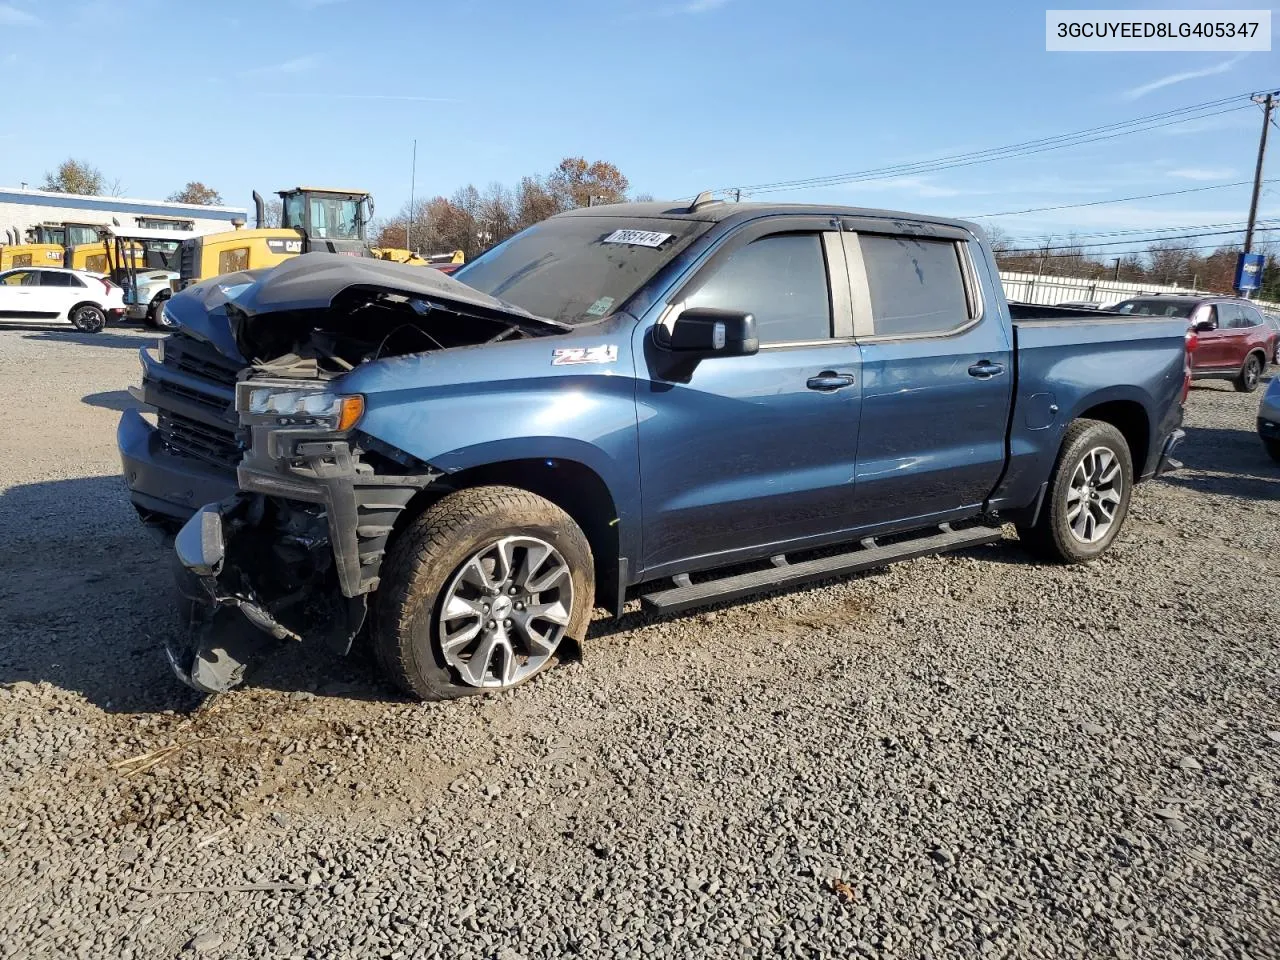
x=829, y=380
x=985, y=370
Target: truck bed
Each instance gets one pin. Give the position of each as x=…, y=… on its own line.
x=1063, y=353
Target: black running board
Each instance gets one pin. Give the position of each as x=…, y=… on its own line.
x=784, y=574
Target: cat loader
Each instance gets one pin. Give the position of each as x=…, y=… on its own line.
x=312, y=219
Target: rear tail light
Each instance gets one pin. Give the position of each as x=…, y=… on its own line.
x=106, y=284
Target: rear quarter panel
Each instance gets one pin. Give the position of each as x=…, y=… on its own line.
x=1066, y=367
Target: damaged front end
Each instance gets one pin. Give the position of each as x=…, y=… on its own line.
x=297, y=550
x=252, y=405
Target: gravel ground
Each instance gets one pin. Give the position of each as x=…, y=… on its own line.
x=963, y=756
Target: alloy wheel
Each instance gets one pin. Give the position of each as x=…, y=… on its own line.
x=505, y=611
x=88, y=319
x=1252, y=370
x=1094, y=495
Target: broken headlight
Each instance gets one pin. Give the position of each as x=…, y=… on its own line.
x=294, y=406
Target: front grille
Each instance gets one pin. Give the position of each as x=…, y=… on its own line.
x=195, y=422
x=190, y=438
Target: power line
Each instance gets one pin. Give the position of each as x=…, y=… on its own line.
x=1032, y=251
x=1090, y=135
x=1100, y=203
x=1034, y=238
x=1148, y=233
x=1179, y=115
x=1119, y=243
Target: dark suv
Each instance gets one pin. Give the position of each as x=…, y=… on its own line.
x=1235, y=342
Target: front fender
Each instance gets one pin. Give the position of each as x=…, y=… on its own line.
x=588, y=419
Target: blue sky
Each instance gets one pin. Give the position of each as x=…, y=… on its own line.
x=680, y=94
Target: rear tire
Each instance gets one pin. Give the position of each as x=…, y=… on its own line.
x=1250, y=374
x=88, y=318
x=490, y=638
x=1093, y=475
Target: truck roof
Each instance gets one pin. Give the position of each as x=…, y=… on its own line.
x=723, y=210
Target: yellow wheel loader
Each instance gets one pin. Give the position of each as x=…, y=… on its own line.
x=311, y=219
x=46, y=244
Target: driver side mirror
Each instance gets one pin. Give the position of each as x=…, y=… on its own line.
x=1204, y=326
x=704, y=332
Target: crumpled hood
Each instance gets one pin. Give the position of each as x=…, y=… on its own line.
x=312, y=281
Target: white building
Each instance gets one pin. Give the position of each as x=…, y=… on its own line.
x=21, y=209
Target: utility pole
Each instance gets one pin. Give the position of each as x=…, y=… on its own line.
x=1268, y=104
x=1249, y=265
x=1117, y=276
x=413, y=182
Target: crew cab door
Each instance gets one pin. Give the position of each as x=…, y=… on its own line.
x=937, y=373
x=753, y=451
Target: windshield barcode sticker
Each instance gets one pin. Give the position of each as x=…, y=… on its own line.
x=638, y=238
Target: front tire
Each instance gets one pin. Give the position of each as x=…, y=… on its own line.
x=1250, y=374
x=478, y=593
x=1088, y=496
x=1273, y=448
x=88, y=318
x=156, y=315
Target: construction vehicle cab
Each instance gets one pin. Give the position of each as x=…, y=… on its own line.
x=46, y=244
x=311, y=219
x=331, y=221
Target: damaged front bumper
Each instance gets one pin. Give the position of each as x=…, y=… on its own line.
x=293, y=554
x=281, y=525
x=228, y=622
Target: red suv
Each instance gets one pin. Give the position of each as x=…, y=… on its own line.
x=1235, y=342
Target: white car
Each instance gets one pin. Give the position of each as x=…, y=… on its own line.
x=87, y=300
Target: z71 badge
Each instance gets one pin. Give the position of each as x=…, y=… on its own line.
x=605, y=353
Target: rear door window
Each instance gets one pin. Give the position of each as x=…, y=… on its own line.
x=917, y=286
x=1230, y=317
x=781, y=280
x=50, y=278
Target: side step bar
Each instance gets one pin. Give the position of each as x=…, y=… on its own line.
x=783, y=574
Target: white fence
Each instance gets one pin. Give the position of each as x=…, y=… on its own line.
x=1031, y=288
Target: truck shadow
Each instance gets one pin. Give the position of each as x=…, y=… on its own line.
x=87, y=604
x=134, y=340
x=119, y=400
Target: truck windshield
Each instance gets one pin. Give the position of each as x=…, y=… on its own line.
x=579, y=269
x=1156, y=308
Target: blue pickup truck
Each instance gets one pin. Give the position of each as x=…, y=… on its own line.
x=683, y=404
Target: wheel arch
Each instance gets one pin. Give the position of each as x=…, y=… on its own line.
x=571, y=485
x=86, y=303
x=1130, y=417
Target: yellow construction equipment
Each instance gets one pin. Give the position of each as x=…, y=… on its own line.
x=312, y=219
x=447, y=262
x=46, y=244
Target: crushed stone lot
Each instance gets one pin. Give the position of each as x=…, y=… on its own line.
x=972, y=755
